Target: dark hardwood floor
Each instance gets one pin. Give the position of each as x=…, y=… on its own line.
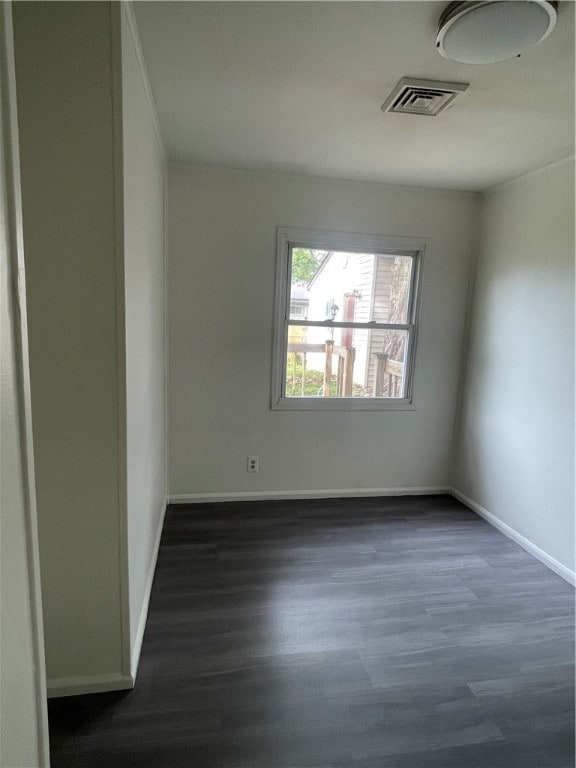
x=342, y=633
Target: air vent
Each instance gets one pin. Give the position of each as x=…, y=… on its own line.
x=422, y=97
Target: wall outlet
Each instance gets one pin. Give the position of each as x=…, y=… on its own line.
x=252, y=464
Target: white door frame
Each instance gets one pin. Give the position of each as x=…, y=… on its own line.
x=12, y=215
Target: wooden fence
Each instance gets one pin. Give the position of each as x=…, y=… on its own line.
x=389, y=373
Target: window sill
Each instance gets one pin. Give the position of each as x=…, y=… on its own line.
x=341, y=404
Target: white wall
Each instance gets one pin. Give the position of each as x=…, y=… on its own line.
x=69, y=163
x=145, y=330
x=222, y=227
x=23, y=720
x=515, y=450
x=93, y=182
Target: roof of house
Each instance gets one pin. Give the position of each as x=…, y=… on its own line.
x=299, y=292
x=323, y=263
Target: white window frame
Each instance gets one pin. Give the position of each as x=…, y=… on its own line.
x=289, y=238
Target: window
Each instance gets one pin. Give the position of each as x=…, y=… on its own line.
x=297, y=310
x=346, y=321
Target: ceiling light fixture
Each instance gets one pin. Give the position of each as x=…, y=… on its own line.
x=485, y=31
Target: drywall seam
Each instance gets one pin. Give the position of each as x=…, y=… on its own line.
x=118, y=192
x=329, y=493
x=511, y=533
x=146, y=602
x=75, y=686
x=135, y=37
x=9, y=137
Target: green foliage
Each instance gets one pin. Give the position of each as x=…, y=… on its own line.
x=313, y=386
x=305, y=262
x=313, y=380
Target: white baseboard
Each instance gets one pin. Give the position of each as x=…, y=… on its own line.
x=525, y=543
x=533, y=549
x=75, y=686
x=137, y=647
x=330, y=493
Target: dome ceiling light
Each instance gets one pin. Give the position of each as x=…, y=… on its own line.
x=485, y=31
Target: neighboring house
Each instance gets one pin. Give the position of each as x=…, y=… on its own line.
x=352, y=287
x=298, y=311
x=298, y=301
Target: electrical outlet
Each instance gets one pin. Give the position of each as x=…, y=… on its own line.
x=252, y=464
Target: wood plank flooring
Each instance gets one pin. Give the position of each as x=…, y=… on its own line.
x=342, y=633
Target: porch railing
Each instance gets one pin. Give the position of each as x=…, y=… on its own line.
x=388, y=378
x=344, y=371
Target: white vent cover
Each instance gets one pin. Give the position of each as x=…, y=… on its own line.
x=422, y=97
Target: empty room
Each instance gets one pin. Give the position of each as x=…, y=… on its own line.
x=287, y=384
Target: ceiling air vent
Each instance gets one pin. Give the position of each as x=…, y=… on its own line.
x=422, y=97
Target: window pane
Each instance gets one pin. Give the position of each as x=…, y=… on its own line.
x=354, y=362
x=341, y=286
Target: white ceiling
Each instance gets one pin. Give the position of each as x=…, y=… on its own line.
x=296, y=87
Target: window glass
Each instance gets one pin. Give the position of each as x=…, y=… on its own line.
x=343, y=362
x=344, y=286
